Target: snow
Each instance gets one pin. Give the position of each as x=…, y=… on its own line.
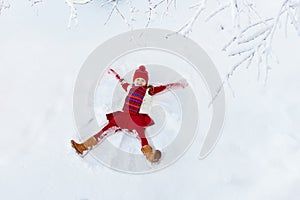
x=258, y=156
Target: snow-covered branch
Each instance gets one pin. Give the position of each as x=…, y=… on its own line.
x=115, y=4
x=293, y=12
x=73, y=12
x=123, y=17
x=254, y=36
x=254, y=39
x=81, y=1
x=235, y=11
x=220, y=9
x=257, y=38
x=4, y=4
x=34, y=2
x=150, y=7
x=188, y=26
x=251, y=33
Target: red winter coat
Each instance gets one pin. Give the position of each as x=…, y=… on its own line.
x=130, y=118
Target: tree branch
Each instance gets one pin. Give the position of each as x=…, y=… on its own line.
x=4, y=4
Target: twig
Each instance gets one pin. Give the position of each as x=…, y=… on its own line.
x=168, y=6
x=81, y=2
x=220, y=9
x=187, y=28
x=107, y=2
x=235, y=14
x=34, y=2
x=276, y=23
x=249, y=55
x=285, y=24
x=293, y=20
x=73, y=12
x=159, y=3
x=255, y=35
x=256, y=24
x=132, y=10
x=4, y=4
x=123, y=17
x=250, y=7
x=150, y=13
x=248, y=58
x=112, y=10
x=229, y=43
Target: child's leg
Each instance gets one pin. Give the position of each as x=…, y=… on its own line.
x=152, y=156
x=101, y=134
x=141, y=133
x=93, y=140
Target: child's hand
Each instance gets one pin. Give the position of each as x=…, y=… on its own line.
x=183, y=83
x=116, y=74
x=180, y=84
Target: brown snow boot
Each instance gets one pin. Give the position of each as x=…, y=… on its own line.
x=152, y=156
x=81, y=147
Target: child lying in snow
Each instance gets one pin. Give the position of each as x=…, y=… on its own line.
x=135, y=113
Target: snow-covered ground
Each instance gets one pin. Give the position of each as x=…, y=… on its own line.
x=258, y=156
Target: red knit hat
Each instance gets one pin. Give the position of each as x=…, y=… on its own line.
x=141, y=73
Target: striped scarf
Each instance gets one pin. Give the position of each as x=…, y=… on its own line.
x=134, y=99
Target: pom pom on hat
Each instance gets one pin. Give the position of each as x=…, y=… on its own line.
x=142, y=68
x=141, y=73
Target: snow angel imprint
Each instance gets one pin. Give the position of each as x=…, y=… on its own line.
x=134, y=115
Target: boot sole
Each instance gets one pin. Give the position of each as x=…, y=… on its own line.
x=157, y=156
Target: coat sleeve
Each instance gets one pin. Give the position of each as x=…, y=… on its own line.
x=156, y=89
x=125, y=86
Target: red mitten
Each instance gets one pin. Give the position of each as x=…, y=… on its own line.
x=116, y=74
x=180, y=84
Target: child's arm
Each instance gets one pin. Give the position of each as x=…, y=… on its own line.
x=154, y=90
x=121, y=80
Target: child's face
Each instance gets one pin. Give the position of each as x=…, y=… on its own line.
x=139, y=82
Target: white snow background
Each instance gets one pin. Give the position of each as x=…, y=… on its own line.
x=257, y=157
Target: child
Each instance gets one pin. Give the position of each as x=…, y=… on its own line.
x=134, y=115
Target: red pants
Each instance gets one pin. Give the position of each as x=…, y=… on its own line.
x=112, y=123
